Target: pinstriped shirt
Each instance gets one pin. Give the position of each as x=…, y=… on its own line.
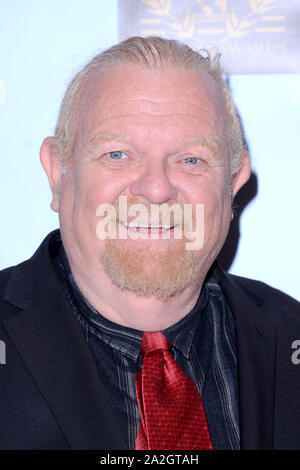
x=203, y=344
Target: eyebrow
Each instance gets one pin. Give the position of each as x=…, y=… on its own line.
x=104, y=137
x=215, y=143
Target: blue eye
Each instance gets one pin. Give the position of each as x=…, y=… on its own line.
x=117, y=155
x=191, y=160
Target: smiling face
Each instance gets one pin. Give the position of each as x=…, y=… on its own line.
x=154, y=136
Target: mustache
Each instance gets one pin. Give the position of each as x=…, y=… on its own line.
x=169, y=213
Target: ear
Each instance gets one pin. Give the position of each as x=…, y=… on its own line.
x=242, y=175
x=50, y=164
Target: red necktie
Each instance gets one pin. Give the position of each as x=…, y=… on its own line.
x=171, y=409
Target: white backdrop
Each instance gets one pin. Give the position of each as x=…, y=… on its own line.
x=43, y=43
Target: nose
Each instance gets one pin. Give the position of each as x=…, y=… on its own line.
x=154, y=184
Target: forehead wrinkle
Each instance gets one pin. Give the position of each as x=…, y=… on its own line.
x=155, y=104
x=151, y=105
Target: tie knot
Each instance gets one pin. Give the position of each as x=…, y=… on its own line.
x=153, y=340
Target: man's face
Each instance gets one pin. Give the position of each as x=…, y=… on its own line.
x=154, y=137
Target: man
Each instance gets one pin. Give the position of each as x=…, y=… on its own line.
x=144, y=165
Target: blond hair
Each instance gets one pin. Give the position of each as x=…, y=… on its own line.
x=151, y=52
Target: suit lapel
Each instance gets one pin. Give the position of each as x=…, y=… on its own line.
x=51, y=343
x=256, y=350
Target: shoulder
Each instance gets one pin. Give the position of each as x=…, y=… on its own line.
x=263, y=290
x=22, y=284
x=280, y=305
x=5, y=275
x=257, y=301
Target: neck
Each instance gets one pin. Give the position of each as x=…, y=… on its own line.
x=130, y=310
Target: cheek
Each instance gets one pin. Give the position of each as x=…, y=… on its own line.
x=90, y=192
x=206, y=193
x=216, y=201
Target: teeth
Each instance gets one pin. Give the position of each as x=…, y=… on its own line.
x=134, y=225
x=149, y=226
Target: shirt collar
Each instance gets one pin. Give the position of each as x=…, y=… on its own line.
x=182, y=333
x=124, y=339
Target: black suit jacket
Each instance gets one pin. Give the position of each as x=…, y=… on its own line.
x=52, y=396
